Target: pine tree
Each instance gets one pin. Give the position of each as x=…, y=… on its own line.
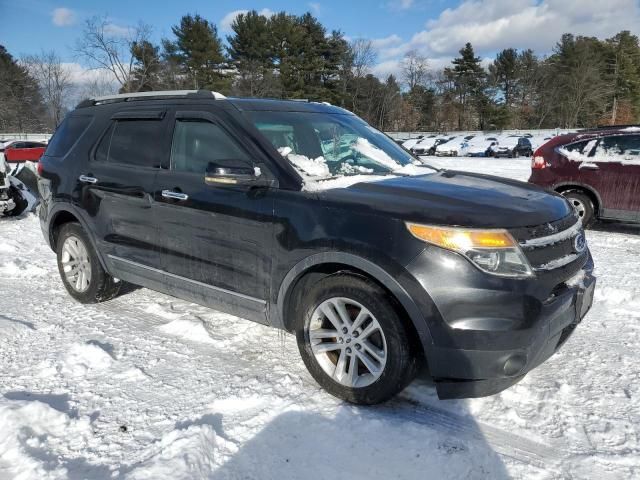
x=468, y=78
x=250, y=51
x=199, y=51
x=146, y=66
x=21, y=105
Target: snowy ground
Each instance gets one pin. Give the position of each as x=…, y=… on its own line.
x=147, y=386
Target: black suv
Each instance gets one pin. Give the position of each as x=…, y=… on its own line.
x=301, y=216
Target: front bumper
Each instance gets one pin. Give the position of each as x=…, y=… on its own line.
x=491, y=331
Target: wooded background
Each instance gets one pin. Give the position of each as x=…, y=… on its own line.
x=584, y=82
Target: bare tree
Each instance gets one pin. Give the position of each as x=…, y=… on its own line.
x=414, y=69
x=104, y=46
x=363, y=57
x=54, y=81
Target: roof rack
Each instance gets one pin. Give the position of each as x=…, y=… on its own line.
x=125, y=97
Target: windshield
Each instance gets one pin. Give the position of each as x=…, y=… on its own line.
x=328, y=145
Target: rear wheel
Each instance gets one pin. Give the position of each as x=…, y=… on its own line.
x=353, y=341
x=582, y=205
x=80, y=269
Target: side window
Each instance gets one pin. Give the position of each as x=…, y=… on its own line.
x=198, y=142
x=66, y=135
x=132, y=142
x=102, y=152
x=621, y=146
x=136, y=143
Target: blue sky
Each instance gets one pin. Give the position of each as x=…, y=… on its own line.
x=436, y=29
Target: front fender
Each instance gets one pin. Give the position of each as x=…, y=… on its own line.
x=277, y=314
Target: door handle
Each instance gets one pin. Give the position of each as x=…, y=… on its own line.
x=86, y=179
x=174, y=195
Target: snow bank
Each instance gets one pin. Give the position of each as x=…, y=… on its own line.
x=180, y=454
x=85, y=359
x=34, y=437
x=189, y=329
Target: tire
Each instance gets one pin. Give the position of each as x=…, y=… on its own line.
x=387, y=339
x=583, y=205
x=73, y=247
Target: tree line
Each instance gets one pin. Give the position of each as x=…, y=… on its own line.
x=584, y=82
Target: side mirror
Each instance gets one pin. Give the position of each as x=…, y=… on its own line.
x=237, y=175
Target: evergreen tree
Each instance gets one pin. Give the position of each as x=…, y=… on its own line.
x=250, y=51
x=468, y=77
x=199, y=51
x=21, y=105
x=622, y=59
x=146, y=66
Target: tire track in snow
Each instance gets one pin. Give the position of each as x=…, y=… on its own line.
x=504, y=443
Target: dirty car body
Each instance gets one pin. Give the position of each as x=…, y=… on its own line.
x=247, y=248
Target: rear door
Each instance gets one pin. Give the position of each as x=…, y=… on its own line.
x=116, y=189
x=216, y=239
x=615, y=167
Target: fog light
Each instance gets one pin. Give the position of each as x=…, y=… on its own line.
x=514, y=365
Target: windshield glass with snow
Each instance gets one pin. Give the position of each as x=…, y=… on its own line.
x=325, y=145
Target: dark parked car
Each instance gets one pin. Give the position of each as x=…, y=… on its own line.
x=597, y=170
x=374, y=269
x=513, y=147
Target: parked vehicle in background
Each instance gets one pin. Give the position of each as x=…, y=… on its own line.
x=23, y=151
x=450, y=148
x=427, y=146
x=408, y=144
x=597, y=170
x=479, y=147
x=300, y=216
x=513, y=146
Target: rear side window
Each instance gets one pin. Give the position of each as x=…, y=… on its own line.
x=67, y=134
x=619, y=146
x=132, y=142
x=198, y=142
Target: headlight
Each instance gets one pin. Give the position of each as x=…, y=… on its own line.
x=492, y=251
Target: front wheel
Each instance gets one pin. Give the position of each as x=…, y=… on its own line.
x=353, y=341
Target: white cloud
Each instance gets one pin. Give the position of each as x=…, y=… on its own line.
x=63, y=17
x=225, y=24
x=117, y=30
x=401, y=4
x=491, y=25
x=315, y=7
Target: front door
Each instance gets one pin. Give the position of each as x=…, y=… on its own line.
x=216, y=240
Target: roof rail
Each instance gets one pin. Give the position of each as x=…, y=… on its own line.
x=125, y=97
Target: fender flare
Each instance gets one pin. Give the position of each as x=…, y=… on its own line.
x=65, y=207
x=371, y=269
x=579, y=185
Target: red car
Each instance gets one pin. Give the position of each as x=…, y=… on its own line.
x=23, y=151
x=597, y=170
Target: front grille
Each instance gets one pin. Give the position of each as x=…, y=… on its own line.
x=551, y=248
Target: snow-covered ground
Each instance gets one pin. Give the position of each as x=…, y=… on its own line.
x=150, y=387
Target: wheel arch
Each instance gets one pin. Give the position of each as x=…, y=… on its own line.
x=580, y=187
x=67, y=213
x=322, y=264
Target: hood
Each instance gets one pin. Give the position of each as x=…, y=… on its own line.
x=456, y=198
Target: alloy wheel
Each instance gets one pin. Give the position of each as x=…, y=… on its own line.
x=348, y=342
x=76, y=264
